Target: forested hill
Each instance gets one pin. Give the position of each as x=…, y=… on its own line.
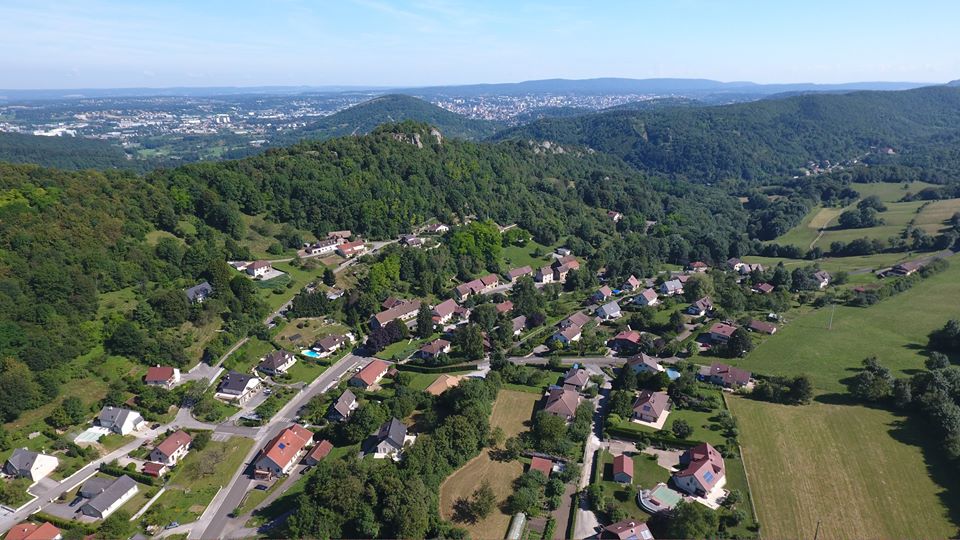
x=365, y=117
x=760, y=139
x=62, y=152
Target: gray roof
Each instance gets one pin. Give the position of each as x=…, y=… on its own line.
x=274, y=360
x=608, y=310
x=343, y=403
x=234, y=383
x=116, y=490
x=22, y=459
x=203, y=289
x=95, y=486
x=393, y=432
x=115, y=415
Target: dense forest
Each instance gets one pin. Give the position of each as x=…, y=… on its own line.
x=63, y=152
x=765, y=139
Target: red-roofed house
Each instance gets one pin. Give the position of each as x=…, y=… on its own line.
x=480, y=285
x=623, y=469
x=319, y=452
x=626, y=340
x=725, y=375
x=702, y=470
x=647, y=298
x=517, y=273
x=762, y=327
x=721, y=332
x=602, y=294
x=642, y=363
x=763, y=288
x=154, y=469
x=259, y=268
x=562, y=402
x=402, y=311
x=434, y=349
x=541, y=464
x=626, y=530
x=631, y=284
x=282, y=452
x=444, y=311
x=349, y=249
x=504, y=307
x=370, y=374
x=698, y=266
x=165, y=376
x=172, y=449
x=650, y=406
x=34, y=531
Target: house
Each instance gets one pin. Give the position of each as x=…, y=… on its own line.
x=647, y=298
x=334, y=293
x=623, y=469
x=410, y=240
x=107, y=496
x=702, y=470
x=906, y=269
x=389, y=439
x=698, y=267
x=650, y=405
x=342, y=235
x=33, y=531
x=746, y=269
x=434, y=348
x=577, y=378
x=626, y=530
x=281, y=454
x=444, y=311
x=701, y=307
x=519, y=323
x=442, y=383
x=259, y=268
x=568, y=335
x=822, y=277
x=343, y=406
x=370, y=374
x=642, y=363
x=562, y=402
x=631, y=284
x=609, y=311
x=721, y=332
x=238, y=387
x=625, y=340
x=172, y=449
x=436, y=228
x=516, y=273
x=328, y=345
x=392, y=302
x=154, y=469
x=724, y=375
x=615, y=216
x=165, y=376
x=480, y=285
x=577, y=319
x=504, y=307
x=403, y=311
x=602, y=294
x=560, y=272
x=198, y=293
x=734, y=264
x=672, y=287
x=319, y=451
x=28, y=464
x=544, y=275
x=762, y=327
x=763, y=288
x=277, y=362
x=122, y=421
x=563, y=252
x=544, y=465
x=324, y=247
x=350, y=249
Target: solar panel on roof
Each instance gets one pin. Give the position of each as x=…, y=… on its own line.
x=283, y=445
x=708, y=476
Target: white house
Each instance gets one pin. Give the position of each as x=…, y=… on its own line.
x=647, y=298
x=702, y=470
x=172, y=449
x=107, y=496
x=122, y=421
x=25, y=463
x=277, y=362
x=609, y=311
x=259, y=268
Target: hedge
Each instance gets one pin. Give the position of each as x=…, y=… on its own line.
x=120, y=471
x=634, y=435
x=59, y=522
x=436, y=369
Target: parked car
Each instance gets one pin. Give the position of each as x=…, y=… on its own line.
x=172, y=525
x=261, y=487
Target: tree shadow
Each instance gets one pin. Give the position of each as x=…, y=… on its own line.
x=462, y=511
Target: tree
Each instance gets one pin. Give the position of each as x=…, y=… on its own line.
x=483, y=501
x=739, y=343
x=677, y=321
x=691, y=520
x=329, y=277
x=118, y=525
x=873, y=383
x=469, y=340
x=424, y=321
x=200, y=440
x=681, y=429
x=937, y=360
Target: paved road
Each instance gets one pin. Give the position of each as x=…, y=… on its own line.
x=215, y=522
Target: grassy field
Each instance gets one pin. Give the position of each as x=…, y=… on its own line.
x=646, y=474
x=304, y=370
x=404, y=348
x=421, y=381
x=516, y=256
x=890, y=192
x=511, y=411
x=309, y=330
x=858, y=470
x=705, y=427
x=895, y=330
x=806, y=231
x=934, y=216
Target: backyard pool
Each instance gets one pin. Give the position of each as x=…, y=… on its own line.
x=673, y=374
x=310, y=353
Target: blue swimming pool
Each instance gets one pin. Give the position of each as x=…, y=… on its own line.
x=673, y=374
x=311, y=353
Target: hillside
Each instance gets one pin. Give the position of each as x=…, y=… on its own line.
x=364, y=117
x=761, y=139
x=62, y=152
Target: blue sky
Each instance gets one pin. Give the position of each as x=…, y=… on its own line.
x=129, y=43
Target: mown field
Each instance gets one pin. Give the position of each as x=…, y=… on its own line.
x=510, y=412
x=859, y=471
x=895, y=330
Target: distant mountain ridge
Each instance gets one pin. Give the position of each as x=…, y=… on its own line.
x=364, y=117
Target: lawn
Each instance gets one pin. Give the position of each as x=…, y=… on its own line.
x=895, y=330
x=420, y=381
x=404, y=348
x=304, y=371
x=934, y=216
x=889, y=192
x=646, y=474
x=511, y=411
x=705, y=428
x=248, y=356
x=836, y=264
x=861, y=472
x=309, y=330
x=195, y=481
x=517, y=256
x=806, y=231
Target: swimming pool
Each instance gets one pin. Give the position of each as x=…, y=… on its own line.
x=310, y=353
x=673, y=374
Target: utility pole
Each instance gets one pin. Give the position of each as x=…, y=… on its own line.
x=817, y=533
